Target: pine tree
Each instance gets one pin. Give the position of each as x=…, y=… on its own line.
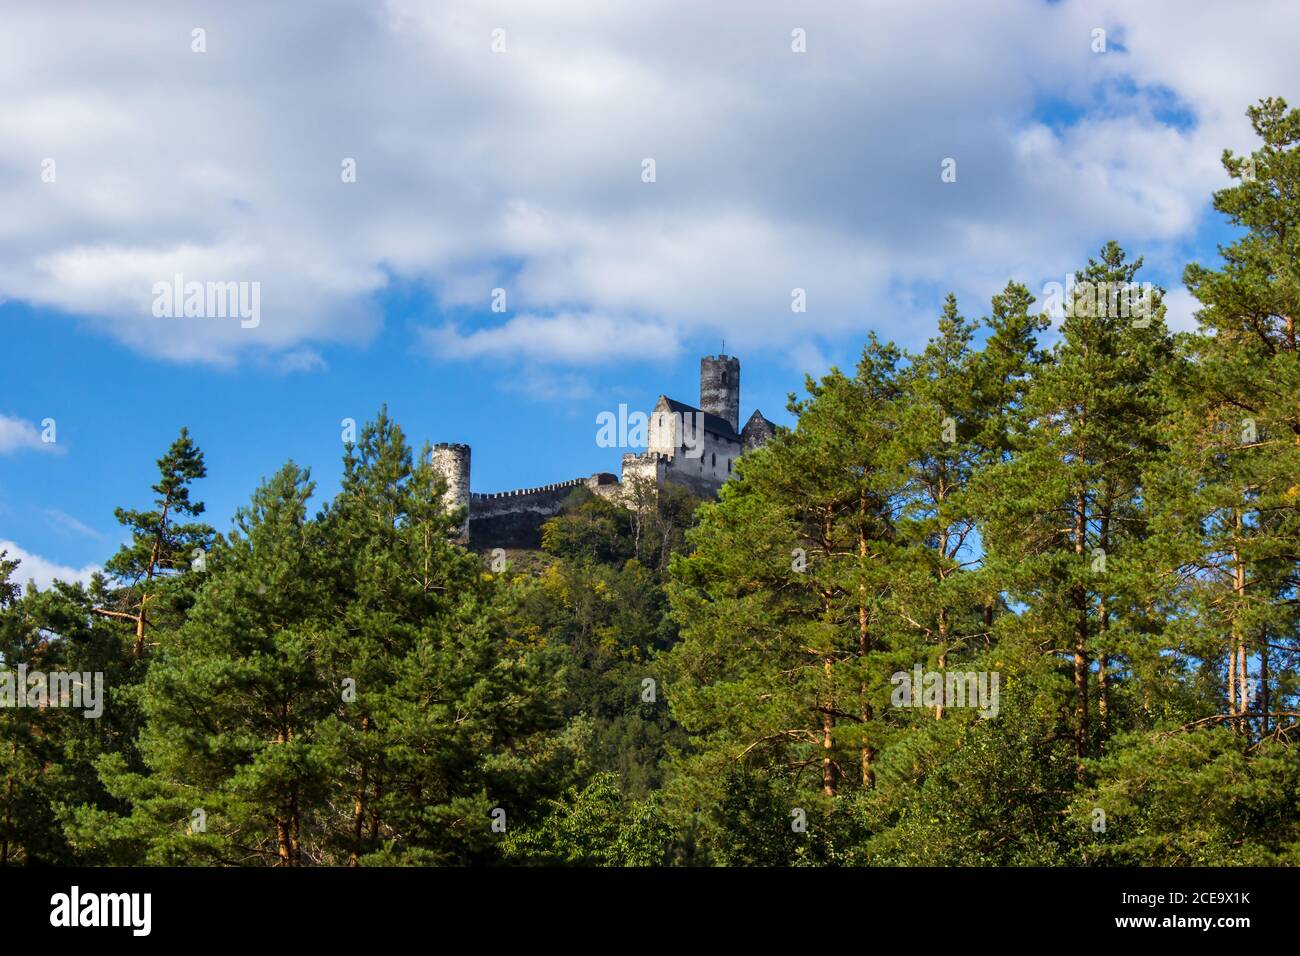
x=26, y=824
x=161, y=548
x=236, y=703
x=451, y=718
x=1062, y=513
x=942, y=412
x=1232, y=510
x=783, y=669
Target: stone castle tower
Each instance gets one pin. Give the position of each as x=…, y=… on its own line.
x=695, y=448
x=451, y=460
x=720, y=388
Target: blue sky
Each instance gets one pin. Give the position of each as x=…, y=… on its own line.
x=521, y=170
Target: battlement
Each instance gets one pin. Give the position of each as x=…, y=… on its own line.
x=520, y=492
x=646, y=456
x=513, y=519
x=452, y=446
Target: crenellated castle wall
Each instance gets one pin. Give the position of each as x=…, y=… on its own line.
x=513, y=519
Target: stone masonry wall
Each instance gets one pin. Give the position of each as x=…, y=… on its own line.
x=513, y=519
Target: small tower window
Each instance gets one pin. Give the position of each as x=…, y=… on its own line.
x=724, y=378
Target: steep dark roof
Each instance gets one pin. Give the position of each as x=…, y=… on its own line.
x=758, y=430
x=712, y=423
x=757, y=419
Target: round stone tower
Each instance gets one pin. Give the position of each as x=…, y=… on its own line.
x=452, y=462
x=720, y=387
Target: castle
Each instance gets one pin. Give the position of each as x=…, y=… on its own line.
x=685, y=445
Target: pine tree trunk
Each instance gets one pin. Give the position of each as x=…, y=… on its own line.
x=943, y=610
x=154, y=555
x=284, y=844
x=359, y=806
x=1232, y=676
x=943, y=651
x=868, y=754
x=1237, y=667
x=1103, y=625
x=358, y=822
x=1243, y=681
x=282, y=840
x=9, y=811
x=828, y=743
x=828, y=707
x=295, y=848
x=1103, y=690
x=1263, y=689
x=1080, y=601
x=941, y=663
x=374, y=803
x=828, y=764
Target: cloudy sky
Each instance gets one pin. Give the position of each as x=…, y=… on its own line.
x=502, y=145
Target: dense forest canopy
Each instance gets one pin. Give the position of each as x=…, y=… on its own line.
x=1028, y=595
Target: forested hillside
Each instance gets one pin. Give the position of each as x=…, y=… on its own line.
x=1097, y=519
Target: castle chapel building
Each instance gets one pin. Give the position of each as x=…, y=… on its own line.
x=689, y=446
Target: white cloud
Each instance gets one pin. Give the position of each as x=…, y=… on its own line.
x=806, y=358
x=64, y=522
x=33, y=567
x=18, y=434
x=1180, y=310
x=549, y=386
x=582, y=338
x=302, y=360
x=522, y=170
